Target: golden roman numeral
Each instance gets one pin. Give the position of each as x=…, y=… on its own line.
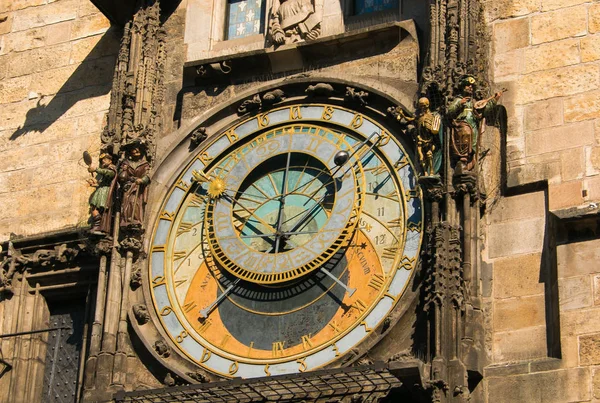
x=395, y=223
x=359, y=305
x=335, y=349
x=165, y=311
x=267, y=370
x=197, y=201
x=183, y=185
x=335, y=327
x=167, y=216
x=406, y=263
x=306, y=343
x=179, y=282
x=401, y=163
x=189, y=306
x=376, y=282
x=179, y=254
x=225, y=340
x=411, y=194
x=367, y=328
x=204, y=325
x=205, y=158
x=158, y=280
x=302, y=363
x=384, y=138
x=278, y=348
x=390, y=253
x=184, y=227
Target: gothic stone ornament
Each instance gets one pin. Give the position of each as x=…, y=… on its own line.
x=136, y=279
x=334, y=245
x=256, y=102
x=198, y=136
x=320, y=90
x=140, y=311
x=293, y=21
x=162, y=348
x=355, y=96
x=467, y=117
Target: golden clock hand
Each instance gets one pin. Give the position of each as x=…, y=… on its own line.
x=282, y=202
x=206, y=311
x=232, y=201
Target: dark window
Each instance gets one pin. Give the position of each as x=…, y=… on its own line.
x=371, y=6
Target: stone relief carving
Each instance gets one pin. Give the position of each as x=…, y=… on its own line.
x=256, y=102
x=101, y=200
x=198, y=136
x=358, y=97
x=293, y=21
x=162, y=348
x=136, y=279
x=140, y=311
x=198, y=376
x=320, y=90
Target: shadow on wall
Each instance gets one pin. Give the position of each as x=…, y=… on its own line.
x=92, y=78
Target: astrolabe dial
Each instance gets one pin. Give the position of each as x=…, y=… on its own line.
x=288, y=208
x=287, y=240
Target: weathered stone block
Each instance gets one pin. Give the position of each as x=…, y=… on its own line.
x=572, y=164
x=6, y=25
x=58, y=33
x=576, y=259
x=583, y=106
x=518, y=313
x=92, y=24
x=589, y=349
x=38, y=60
x=544, y=57
x=518, y=345
x=495, y=9
x=592, y=185
x=14, y=89
x=559, y=24
x=559, y=138
x=564, y=195
x=594, y=18
x=519, y=207
x=508, y=64
x=48, y=14
x=94, y=47
x=511, y=34
x=86, y=8
x=531, y=172
x=569, y=385
x=596, y=280
x=557, y=83
x=518, y=276
x=592, y=160
x=543, y=114
x=590, y=48
x=24, y=40
x=515, y=237
x=549, y=5
x=575, y=292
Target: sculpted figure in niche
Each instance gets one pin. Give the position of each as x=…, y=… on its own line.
x=101, y=199
x=467, y=117
x=429, y=138
x=293, y=21
x=134, y=179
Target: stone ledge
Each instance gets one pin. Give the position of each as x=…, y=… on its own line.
x=520, y=368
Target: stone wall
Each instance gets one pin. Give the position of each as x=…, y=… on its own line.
x=56, y=68
x=541, y=294
x=547, y=53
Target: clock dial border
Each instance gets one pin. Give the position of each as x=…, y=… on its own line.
x=357, y=124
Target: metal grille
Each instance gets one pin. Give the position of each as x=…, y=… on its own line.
x=366, y=381
x=63, y=353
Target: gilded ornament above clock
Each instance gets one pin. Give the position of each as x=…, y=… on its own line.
x=285, y=242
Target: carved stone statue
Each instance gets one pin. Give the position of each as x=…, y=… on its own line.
x=101, y=199
x=429, y=135
x=134, y=179
x=467, y=117
x=293, y=21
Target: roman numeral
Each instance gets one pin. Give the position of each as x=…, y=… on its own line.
x=377, y=282
x=189, y=306
x=359, y=305
x=306, y=343
x=335, y=327
x=179, y=254
x=184, y=227
x=225, y=340
x=179, y=282
x=204, y=325
x=395, y=223
x=278, y=348
x=401, y=163
x=390, y=253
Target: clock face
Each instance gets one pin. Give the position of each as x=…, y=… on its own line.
x=285, y=242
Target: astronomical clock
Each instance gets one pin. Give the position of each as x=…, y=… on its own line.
x=283, y=242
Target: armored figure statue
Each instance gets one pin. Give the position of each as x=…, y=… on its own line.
x=429, y=138
x=293, y=21
x=133, y=178
x=101, y=199
x=467, y=117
